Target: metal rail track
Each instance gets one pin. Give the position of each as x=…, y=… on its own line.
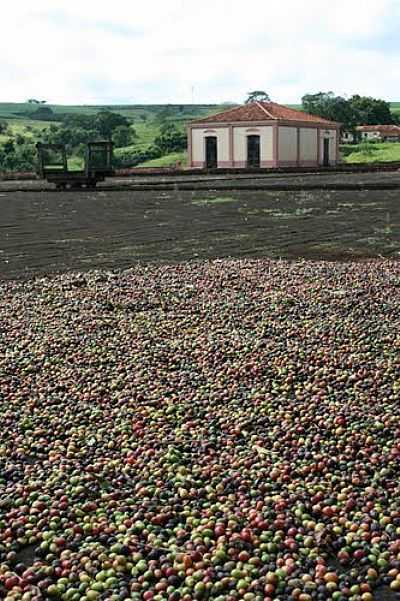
x=231, y=180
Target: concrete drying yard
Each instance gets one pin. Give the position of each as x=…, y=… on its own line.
x=173, y=219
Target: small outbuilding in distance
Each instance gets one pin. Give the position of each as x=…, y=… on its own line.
x=265, y=135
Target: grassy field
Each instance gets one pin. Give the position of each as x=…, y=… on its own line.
x=28, y=128
x=169, y=160
x=361, y=153
x=13, y=110
x=396, y=107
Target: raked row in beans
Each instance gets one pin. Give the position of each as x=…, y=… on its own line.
x=223, y=430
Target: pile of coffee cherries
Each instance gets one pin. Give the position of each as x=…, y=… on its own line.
x=224, y=430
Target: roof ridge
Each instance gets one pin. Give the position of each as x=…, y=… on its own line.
x=198, y=119
x=265, y=110
x=262, y=111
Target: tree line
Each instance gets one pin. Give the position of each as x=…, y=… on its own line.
x=349, y=112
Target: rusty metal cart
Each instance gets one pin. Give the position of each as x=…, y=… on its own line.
x=53, y=165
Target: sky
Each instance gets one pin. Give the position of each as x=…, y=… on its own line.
x=202, y=51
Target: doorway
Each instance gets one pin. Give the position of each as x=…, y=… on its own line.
x=253, y=151
x=211, y=152
x=326, y=152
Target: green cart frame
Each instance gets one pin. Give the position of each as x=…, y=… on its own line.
x=53, y=165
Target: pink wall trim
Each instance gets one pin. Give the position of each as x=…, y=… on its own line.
x=267, y=164
x=240, y=164
x=308, y=163
x=224, y=164
x=231, y=154
x=267, y=122
x=190, y=147
x=198, y=164
x=275, y=142
x=287, y=164
x=337, y=144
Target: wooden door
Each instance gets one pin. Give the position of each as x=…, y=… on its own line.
x=253, y=151
x=211, y=152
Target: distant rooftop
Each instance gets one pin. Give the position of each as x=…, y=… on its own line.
x=387, y=129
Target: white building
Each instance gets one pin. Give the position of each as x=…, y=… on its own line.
x=381, y=133
x=262, y=134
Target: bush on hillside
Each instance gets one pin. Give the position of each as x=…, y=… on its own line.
x=170, y=139
x=129, y=157
x=17, y=157
x=43, y=113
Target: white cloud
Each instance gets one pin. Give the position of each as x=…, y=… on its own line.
x=131, y=51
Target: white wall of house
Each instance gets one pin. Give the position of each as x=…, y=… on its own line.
x=240, y=135
x=308, y=145
x=287, y=148
x=199, y=145
x=371, y=135
x=347, y=137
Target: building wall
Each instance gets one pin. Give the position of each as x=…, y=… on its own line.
x=347, y=137
x=199, y=146
x=240, y=135
x=371, y=135
x=284, y=145
x=308, y=146
x=287, y=146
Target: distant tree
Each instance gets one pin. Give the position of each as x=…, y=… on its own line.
x=143, y=117
x=17, y=157
x=358, y=110
x=106, y=122
x=8, y=147
x=331, y=107
x=77, y=130
x=257, y=96
x=371, y=111
x=123, y=135
x=43, y=113
x=79, y=120
x=3, y=127
x=170, y=139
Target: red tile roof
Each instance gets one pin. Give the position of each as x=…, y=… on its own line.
x=263, y=111
x=384, y=129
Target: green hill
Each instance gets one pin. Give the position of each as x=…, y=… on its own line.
x=15, y=110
